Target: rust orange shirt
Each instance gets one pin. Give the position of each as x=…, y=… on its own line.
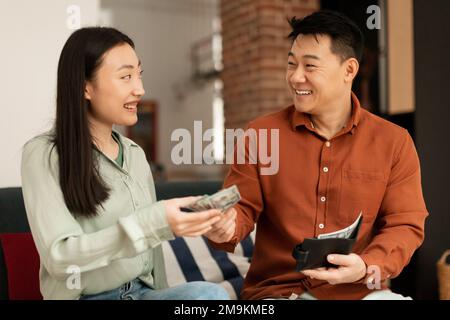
x=321, y=186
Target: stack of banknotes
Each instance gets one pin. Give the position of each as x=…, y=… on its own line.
x=222, y=200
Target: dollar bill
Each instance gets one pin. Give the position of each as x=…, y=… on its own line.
x=343, y=233
x=205, y=203
x=226, y=198
x=222, y=200
x=196, y=206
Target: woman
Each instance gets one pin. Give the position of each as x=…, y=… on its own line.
x=89, y=192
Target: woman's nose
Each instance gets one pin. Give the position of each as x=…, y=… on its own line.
x=139, y=89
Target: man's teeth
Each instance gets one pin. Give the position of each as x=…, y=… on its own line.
x=303, y=92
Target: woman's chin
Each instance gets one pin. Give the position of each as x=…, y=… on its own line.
x=128, y=122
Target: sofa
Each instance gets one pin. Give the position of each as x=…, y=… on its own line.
x=186, y=258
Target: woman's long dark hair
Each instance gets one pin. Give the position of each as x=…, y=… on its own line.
x=79, y=178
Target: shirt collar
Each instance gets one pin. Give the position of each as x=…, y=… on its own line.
x=303, y=119
x=125, y=141
x=126, y=146
x=356, y=114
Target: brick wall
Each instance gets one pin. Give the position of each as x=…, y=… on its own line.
x=255, y=51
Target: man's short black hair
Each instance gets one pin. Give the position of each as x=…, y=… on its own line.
x=347, y=40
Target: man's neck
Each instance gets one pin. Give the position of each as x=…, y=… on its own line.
x=330, y=123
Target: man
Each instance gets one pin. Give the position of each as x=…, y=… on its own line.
x=336, y=160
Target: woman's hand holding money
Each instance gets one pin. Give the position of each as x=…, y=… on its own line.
x=192, y=224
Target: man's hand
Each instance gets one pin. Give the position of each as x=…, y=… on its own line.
x=189, y=224
x=223, y=230
x=351, y=268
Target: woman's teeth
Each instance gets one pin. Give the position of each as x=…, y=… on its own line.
x=130, y=106
x=303, y=92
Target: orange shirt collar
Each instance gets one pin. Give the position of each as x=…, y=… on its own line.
x=303, y=119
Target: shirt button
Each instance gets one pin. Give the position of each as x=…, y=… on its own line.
x=323, y=199
x=328, y=144
x=321, y=226
x=325, y=169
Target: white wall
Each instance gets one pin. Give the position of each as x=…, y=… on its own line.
x=32, y=34
x=163, y=32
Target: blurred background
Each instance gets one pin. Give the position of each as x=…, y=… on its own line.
x=223, y=62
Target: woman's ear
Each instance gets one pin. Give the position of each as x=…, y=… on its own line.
x=351, y=69
x=87, y=91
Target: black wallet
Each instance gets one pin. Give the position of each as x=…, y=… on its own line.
x=312, y=252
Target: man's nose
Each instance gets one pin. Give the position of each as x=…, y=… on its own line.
x=298, y=76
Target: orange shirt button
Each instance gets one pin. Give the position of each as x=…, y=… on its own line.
x=328, y=144
x=321, y=226
x=323, y=199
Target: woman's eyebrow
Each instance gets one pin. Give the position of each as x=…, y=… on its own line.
x=128, y=66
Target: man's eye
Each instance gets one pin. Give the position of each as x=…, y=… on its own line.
x=140, y=73
x=310, y=66
x=291, y=63
x=127, y=77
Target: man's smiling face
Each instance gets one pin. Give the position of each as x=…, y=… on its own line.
x=315, y=75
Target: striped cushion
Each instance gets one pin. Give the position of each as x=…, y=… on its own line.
x=193, y=259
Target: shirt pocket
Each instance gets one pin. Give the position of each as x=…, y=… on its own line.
x=361, y=191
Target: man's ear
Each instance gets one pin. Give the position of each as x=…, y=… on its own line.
x=87, y=90
x=351, y=69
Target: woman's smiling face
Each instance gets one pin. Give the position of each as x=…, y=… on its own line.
x=116, y=88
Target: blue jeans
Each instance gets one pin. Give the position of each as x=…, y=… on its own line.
x=138, y=290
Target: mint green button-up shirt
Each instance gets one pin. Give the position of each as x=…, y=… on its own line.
x=92, y=255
